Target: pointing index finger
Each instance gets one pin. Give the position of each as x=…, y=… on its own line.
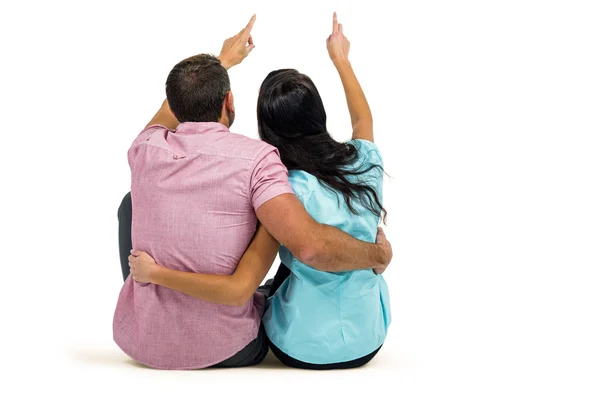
x=335, y=22
x=246, y=31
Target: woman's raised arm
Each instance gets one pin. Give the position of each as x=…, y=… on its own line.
x=360, y=113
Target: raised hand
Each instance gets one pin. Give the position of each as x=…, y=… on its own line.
x=236, y=48
x=338, y=45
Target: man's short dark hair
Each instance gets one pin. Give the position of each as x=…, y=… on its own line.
x=196, y=89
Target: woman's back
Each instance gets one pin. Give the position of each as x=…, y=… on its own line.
x=321, y=317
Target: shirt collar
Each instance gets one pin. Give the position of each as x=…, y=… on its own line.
x=200, y=127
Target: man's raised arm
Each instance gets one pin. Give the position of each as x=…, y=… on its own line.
x=321, y=246
x=234, y=50
x=164, y=116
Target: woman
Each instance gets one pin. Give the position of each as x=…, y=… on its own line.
x=315, y=319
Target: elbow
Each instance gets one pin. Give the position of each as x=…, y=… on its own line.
x=238, y=302
x=240, y=297
x=314, y=255
x=307, y=254
x=363, y=121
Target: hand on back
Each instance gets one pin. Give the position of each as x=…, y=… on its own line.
x=142, y=266
x=386, y=246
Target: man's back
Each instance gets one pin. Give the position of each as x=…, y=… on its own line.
x=194, y=194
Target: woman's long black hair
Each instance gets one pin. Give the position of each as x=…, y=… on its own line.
x=291, y=117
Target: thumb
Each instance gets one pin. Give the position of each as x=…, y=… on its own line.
x=250, y=48
x=135, y=253
x=380, y=235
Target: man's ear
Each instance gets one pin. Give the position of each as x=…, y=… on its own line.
x=229, y=101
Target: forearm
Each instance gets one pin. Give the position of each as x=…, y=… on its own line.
x=164, y=116
x=321, y=246
x=235, y=289
x=225, y=62
x=220, y=289
x=337, y=251
x=357, y=102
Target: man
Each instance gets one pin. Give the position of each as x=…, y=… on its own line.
x=197, y=191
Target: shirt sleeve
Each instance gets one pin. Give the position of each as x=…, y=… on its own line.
x=268, y=179
x=142, y=137
x=368, y=151
x=146, y=133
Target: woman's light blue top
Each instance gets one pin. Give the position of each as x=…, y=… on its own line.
x=324, y=317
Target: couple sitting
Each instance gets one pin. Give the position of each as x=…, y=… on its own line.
x=209, y=210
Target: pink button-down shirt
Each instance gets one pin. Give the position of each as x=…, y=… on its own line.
x=195, y=191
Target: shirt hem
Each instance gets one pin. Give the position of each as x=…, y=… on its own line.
x=333, y=361
x=199, y=366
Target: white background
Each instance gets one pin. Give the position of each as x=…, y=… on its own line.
x=487, y=114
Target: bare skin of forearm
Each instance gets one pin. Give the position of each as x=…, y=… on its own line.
x=164, y=116
x=213, y=288
x=234, y=50
x=355, y=97
x=342, y=252
x=235, y=289
x=323, y=247
x=225, y=63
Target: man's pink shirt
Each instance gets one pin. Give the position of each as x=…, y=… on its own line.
x=195, y=192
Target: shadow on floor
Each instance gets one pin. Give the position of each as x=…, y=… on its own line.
x=271, y=362
x=119, y=359
x=104, y=358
